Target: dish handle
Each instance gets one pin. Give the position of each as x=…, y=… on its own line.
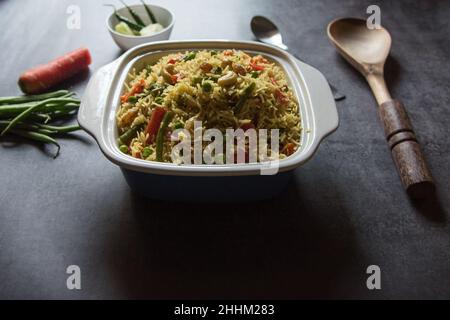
x=94, y=99
x=326, y=118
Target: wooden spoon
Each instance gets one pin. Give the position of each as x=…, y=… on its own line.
x=366, y=50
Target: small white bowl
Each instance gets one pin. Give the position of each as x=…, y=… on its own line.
x=125, y=42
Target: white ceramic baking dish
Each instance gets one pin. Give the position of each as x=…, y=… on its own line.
x=102, y=99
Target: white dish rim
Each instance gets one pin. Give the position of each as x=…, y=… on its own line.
x=97, y=113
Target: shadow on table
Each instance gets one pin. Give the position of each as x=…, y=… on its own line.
x=13, y=141
x=392, y=73
x=431, y=208
x=280, y=248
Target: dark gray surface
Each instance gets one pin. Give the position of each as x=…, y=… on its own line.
x=344, y=210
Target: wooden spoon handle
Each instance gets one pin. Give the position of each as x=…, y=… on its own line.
x=405, y=149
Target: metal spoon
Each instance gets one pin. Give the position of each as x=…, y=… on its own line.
x=367, y=50
x=266, y=31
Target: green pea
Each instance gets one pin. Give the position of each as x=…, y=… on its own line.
x=123, y=148
x=196, y=80
x=146, y=152
x=132, y=99
x=207, y=86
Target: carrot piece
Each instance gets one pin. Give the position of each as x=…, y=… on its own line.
x=259, y=59
x=256, y=67
x=136, y=89
x=43, y=77
x=154, y=123
x=288, y=149
x=281, y=97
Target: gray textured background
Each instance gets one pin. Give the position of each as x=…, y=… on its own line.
x=344, y=210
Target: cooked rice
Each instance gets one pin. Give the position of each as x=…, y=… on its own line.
x=271, y=104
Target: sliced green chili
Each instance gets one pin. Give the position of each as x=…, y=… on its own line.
x=149, y=12
x=130, y=23
x=134, y=14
